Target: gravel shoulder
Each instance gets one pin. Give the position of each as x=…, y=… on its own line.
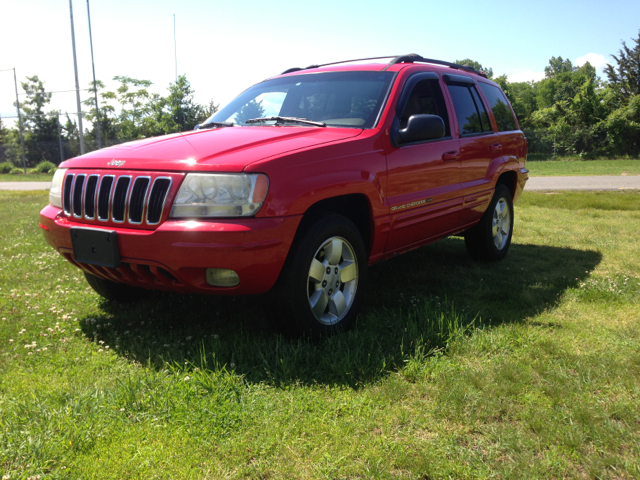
x=25, y=185
x=593, y=183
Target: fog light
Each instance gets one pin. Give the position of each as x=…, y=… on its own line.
x=222, y=277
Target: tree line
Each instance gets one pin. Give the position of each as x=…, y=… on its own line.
x=130, y=112
x=574, y=112
x=571, y=112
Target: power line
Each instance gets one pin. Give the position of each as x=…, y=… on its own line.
x=44, y=114
x=64, y=91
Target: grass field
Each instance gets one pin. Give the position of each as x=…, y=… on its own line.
x=529, y=368
x=583, y=167
x=31, y=177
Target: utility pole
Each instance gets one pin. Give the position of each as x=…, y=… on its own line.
x=60, y=138
x=95, y=88
x=24, y=160
x=75, y=66
x=175, y=44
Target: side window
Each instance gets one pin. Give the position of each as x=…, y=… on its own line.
x=472, y=116
x=426, y=98
x=500, y=107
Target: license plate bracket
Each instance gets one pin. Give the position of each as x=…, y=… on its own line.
x=95, y=247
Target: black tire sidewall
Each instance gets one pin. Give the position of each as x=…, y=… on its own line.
x=293, y=291
x=492, y=251
x=479, y=239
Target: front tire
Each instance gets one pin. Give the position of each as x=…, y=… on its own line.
x=323, y=282
x=119, y=292
x=490, y=239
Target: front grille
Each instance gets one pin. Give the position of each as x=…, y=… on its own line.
x=157, y=199
x=126, y=198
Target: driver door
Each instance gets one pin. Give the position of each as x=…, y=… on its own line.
x=424, y=193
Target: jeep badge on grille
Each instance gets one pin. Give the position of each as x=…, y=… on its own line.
x=115, y=163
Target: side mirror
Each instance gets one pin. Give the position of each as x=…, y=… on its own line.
x=196, y=127
x=421, y=127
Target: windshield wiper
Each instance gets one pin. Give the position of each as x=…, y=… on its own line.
x=214, y=125
x=286, y=120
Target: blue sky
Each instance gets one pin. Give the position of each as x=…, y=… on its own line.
x=225, y=46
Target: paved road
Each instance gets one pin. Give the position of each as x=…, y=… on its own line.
x=25, y=185
x=631, y=182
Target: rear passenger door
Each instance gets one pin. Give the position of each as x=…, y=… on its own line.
x=479, y=145
x=423, y=190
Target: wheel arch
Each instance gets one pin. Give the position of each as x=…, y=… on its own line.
x=354, y=206
x=509, y=179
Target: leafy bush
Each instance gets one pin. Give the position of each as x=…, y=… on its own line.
x=45, y=167
x=5, y=167
x=15, y=171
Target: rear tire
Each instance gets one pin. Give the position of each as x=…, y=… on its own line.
x=490, y=239
x=119, y=292
x=322, y=283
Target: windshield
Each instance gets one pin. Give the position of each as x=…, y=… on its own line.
x=338, y=99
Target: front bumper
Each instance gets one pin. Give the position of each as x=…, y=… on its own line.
x=175, y=255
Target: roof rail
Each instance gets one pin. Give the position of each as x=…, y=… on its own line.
x=414, y=57
x=410, y=58
x=295, y=69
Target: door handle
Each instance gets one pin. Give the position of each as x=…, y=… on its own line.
x=450, y=156
x=496, y=147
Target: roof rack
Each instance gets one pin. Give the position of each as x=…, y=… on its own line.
x=409, y=58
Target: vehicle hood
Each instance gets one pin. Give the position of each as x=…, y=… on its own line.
x=228, y=149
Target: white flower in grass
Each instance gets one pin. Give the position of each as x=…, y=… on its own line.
x=187, y=378
x=99, y=350
x=44, y=349
x=232, y=365
x=11, y=340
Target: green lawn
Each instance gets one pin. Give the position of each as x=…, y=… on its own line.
x=529, y=368
x=31, y=177
x=583, y=167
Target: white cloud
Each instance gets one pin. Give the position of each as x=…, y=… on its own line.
x=524, y=75
x=595, y=59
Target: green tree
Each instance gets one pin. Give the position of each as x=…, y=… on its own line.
x=557, y=66
x=184, y=112
x=477, y=65
x=108, y=120
x=40, y=128
x=623, y=128
x=624, y=78
x=3, y=143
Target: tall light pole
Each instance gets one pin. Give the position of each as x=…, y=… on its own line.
x=95, y=88
x=175, y=44
x=75, y=66
x=24, y=161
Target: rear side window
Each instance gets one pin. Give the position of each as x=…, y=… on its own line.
x=500, y=107
x=426, y=98
x=472, y=116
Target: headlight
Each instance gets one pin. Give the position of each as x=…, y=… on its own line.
x=220, y=195
x=55, y=193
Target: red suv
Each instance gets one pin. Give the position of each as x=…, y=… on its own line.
x=298, y=185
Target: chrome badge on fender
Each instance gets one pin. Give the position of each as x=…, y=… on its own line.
x=115, y=163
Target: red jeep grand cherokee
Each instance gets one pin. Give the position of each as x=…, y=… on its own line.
x=299, y=184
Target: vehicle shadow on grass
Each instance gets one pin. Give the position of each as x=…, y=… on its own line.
x=421, y=298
